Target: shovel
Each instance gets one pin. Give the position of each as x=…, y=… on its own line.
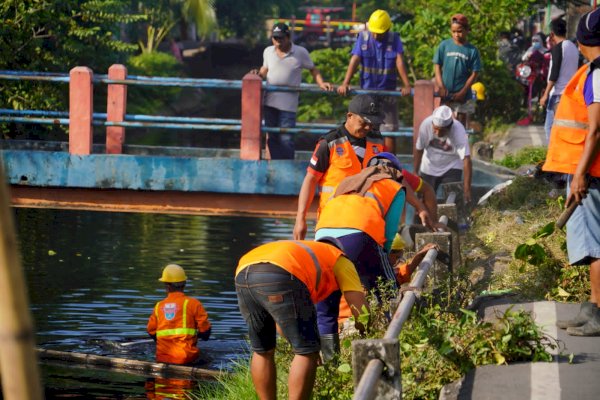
x=565, y=215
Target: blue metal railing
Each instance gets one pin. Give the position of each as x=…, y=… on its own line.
x=172, y=122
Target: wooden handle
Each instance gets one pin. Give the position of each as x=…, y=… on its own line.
x=564, y=217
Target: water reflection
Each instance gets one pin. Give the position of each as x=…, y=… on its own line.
x=92, y=277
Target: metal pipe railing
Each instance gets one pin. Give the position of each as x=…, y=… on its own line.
x=367, y=386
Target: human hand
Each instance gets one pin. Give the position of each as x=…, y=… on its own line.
x=428, y=247
x=543, y=100
x=459, y=96
x=443, y=92
x=425, y=219
x=439, y=227
x=254, y=71
x=406, y=90
x=467, y=196
x=300, y=229
x=328, y=87
x=343, y=89
x=578, y=190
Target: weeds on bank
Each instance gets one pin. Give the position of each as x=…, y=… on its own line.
x=519, y=224
x=525, y=156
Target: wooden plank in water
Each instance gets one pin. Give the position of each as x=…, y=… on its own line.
x=125, y=365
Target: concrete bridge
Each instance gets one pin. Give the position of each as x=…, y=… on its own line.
x=120, y=177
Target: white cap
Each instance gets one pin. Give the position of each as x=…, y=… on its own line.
x=442, y=116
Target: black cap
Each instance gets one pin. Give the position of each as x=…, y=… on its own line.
x=280, y=30
x=367, y=108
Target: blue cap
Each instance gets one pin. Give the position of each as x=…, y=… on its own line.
x=381, y=158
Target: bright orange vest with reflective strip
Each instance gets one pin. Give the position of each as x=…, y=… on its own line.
x=176, y=322
x=311, y=262
x=365, y=213
x=344, y=162
x=570, y=129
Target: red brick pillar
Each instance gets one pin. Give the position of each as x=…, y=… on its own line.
x=250, y=148
x=116, y=107
x=422, y=105
x=80, y=110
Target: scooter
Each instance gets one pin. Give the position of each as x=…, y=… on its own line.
x=529, y=74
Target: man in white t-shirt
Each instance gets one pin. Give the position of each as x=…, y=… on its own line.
x=563, y=65
x=442, y=153
x=283, y=63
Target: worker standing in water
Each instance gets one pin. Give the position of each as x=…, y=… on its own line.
x=178, y=321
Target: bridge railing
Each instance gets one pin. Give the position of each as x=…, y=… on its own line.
x=376, y=362
x=81, y=117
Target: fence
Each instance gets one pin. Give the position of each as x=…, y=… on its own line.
x=80, y=118
x=376, y=362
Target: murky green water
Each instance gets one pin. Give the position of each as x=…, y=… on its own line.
x=92, y=280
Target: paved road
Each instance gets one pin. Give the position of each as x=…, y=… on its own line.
x=557, y=380
x=519, y=137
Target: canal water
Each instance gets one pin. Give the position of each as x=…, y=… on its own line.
x=93, y=280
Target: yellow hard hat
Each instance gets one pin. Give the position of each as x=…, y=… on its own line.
x=379, y=22
x=398, y=243
x=479, y=89
x=173, y=273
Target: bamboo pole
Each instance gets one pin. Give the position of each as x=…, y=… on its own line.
x=127, y=365
x=20, y=375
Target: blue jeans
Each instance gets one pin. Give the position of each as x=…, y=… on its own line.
x=281, y=145
x=269, y=295
x=550, y=110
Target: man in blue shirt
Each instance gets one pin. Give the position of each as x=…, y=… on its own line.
x=379, y=54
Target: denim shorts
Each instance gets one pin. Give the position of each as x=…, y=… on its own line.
x=583, y=228
x=269, y=295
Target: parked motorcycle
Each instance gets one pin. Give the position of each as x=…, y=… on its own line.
x=530, y=74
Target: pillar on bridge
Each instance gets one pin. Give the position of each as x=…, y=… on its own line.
x=81, y=109
x=116, y=107
x=250, y=148
x=423, y=105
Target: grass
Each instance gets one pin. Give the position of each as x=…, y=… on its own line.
x=525, y=156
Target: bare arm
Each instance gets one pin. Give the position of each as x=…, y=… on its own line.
x=402, y=71
x=319, y=80
x=418, y=156
x=442, y=91
x=430, y=201
x=262, y=72
x=305, y=198
x=414, y=201
x=356, y=301
x=467, y=172
x=544, y=97
x=579, y=186
x=352, y=66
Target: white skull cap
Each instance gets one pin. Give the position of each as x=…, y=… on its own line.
x=442, y=116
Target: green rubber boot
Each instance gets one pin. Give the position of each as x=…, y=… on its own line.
x=330, y=346
x=590, y=328
x=585, y=313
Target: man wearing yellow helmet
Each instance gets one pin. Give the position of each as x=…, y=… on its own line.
x=177, y=321
x=379, y=54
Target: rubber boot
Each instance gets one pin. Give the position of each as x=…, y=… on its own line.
x=330, y=346
x=585, y=313
x=590, y=328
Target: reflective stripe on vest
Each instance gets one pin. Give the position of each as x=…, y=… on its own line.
x=315, y=261
x=177, y=331
x=378, y=71
x=567, y=123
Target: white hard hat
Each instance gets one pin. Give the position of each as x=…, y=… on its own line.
x=442, y=116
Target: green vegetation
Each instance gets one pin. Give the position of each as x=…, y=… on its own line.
x=525, y=156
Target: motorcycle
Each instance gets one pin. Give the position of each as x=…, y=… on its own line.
x=530, y=74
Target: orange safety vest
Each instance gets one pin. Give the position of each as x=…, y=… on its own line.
x=570, y=129
x=176, y=322
x=311, y=262
x=344, y=162
x=363, y=212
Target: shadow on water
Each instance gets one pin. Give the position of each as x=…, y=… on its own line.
x=93, y=282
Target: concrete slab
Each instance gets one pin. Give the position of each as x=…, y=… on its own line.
x=557, y=380
x=519, y=137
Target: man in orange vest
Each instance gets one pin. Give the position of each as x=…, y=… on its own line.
x=340, y=153
x=277, y=284
x=363, y=214
x=574, y=150
x=177, y=321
